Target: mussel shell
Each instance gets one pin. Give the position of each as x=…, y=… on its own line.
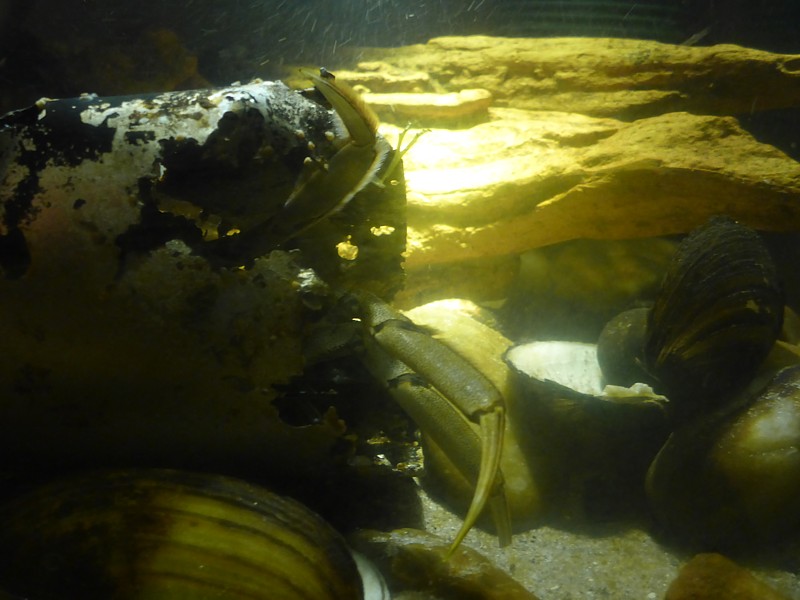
x=716, y=317
x=620, y=348
x=168, y=534
x=731, y=478
x=595, y=446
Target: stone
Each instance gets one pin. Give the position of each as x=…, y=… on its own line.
x=417, y=560
x=600, y=139
x=430, y=110
x=132, y=332
x=529, y=179
x=714, y=577
x=623, y=78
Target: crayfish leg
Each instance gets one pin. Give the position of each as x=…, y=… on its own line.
x=492, y=425
x=474, y=453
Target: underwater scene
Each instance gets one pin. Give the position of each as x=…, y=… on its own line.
x=424, y=300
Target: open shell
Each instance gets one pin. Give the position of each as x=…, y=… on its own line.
x=597, y=440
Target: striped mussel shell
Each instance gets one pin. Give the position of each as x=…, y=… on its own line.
x=716, y=317
x=168, y=534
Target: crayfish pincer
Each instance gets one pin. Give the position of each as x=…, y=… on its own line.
x=454, y=404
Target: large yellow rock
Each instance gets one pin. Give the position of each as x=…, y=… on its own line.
x=594, y=76
x=529, y=179
x=585, y=138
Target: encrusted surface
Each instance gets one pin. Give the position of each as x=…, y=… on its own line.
x=130, y=335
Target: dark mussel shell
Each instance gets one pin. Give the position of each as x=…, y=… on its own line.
x=620, y=348
x=731, y=479
x=716, y=317
x=168, y=534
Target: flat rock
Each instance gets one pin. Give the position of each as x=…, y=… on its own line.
x=528, y=179
x=431, y=109
x=622, y=78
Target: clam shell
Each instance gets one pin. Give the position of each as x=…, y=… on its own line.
x=732, y=478
x=596, y=441
x=620, y=348
x=169, y=534
x=716, y=317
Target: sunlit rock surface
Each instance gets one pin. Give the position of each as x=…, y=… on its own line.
x=433, y=110
x=528, y=179
x=585, y=139
x=594, y=76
